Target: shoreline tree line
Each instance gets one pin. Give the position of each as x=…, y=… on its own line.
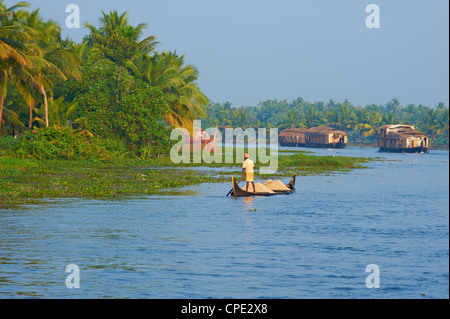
x=361, y=123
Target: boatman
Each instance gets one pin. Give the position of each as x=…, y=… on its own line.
x=247, y=169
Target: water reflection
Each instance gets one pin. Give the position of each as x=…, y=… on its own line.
x=248, y=200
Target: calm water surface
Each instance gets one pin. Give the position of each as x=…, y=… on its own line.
x=197, y=243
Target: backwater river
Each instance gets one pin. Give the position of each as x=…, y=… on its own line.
x=195, y=242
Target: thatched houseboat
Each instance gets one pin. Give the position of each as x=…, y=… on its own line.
x=321, y=137
x=292, y=137
x=403, y=139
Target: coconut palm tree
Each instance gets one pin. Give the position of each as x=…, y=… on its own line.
x=12, y=47
x=428, y=122
x=389, y=118
x=374, y=121
x=224, y=117
x=11, y=118
x=28, y=86
x=240, y=118
x=442, y=122
x=178, y=81
x=311, y=117
x=118, y=41
x=52, y=61
x=61, y=112
x=292, y=119
x=345, y=115
x=360, y=122
x=330, y=117
x=393, y=106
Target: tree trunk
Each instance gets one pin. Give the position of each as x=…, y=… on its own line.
x=30, y=123
x=45, y=106
x=2, y=101
x=2, y=96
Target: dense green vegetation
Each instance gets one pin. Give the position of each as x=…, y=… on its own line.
x=29, y=180
x=113, y=85
x=360, y=122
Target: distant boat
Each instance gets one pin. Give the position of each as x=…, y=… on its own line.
x=201, y=141
x=319, y=137
x=402, y=139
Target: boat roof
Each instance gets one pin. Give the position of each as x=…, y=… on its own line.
x=311, y=131
x=399, y=130
x=324, y=130
x=293, y=130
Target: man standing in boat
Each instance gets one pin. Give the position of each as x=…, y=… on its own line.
x=248, y=169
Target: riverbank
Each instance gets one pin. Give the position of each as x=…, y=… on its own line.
x=27, y=181
x=375, y=145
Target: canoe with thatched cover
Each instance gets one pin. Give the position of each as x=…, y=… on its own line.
x=269, y=188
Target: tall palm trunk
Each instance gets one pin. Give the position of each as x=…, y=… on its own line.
x=45, y=105
x=3, y=78
x=30, y=123
x=2, y=102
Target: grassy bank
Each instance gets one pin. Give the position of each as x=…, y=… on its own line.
x=26, y=181
x=29, y=180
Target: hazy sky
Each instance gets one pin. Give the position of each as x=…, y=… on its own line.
x=251, y=50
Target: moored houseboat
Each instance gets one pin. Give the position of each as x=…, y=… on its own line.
x=292, y=137
x=402, y=139
x=200, y=141
x=320, y=137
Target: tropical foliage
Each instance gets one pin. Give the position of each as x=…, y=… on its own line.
x=113, y=84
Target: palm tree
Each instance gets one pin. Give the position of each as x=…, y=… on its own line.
x=39, y=77
x=178, y=82
x=428, y=122
x=442, y=122
x=393, y=106
x=311, y=117
x=61, y=112
x=292, y=119
x=53, y=61
x=224, y=117
x=330, y=118
x=390, y=118
x=267, y=112
x=28, y=87
x=374, y=121
x=240, y=118
x=408, y=114
x=345, y=116
x=118, y=41
x=12, y=47
x=360, y=122
x=11, y=119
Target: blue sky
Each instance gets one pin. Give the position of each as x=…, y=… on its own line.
x=251, y=50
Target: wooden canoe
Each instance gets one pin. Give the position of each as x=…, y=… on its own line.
x=239, y=192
